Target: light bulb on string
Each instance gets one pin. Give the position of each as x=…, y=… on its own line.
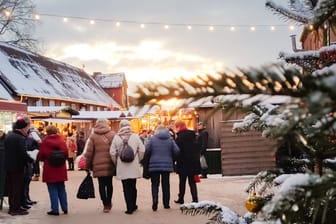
x=166, y=26
x=7, y=13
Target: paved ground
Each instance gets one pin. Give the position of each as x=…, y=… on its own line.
x=229, y=191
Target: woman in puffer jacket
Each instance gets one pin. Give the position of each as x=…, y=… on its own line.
x=98, y=160
x=161, y=150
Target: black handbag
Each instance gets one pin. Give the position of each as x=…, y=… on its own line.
x=145, y=166
x=86, y=188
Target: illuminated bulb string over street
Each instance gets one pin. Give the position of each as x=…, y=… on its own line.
x=167, y=26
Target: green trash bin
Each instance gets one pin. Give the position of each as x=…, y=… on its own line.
x=213, y=158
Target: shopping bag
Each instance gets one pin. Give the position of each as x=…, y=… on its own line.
x=82, y=162
x=203, y=162
x=197, y=179
x=86, y=188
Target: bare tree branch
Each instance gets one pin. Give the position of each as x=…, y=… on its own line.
x=17, y=23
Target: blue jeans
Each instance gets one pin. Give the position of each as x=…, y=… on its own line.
x=57, y=192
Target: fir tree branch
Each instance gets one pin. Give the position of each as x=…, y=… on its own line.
x=288, y=14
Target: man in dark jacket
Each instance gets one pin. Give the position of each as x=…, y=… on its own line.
x=16, y=159
x=188, y=161
x=202, y=140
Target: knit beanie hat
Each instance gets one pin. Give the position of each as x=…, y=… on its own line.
x=21, y=122
x=124, y=123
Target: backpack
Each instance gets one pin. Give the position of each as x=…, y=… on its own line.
x=57, y=157
x=126, y=153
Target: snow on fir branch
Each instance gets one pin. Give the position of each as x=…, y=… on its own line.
x=222, y=214
x=263, y=117
x=263, y=183
x=323, y=12
x=305, y=198
x=298, y=12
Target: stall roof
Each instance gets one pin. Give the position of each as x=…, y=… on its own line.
x=142, y=111
x=90, y=115
x=63, y=121
x=45, y=109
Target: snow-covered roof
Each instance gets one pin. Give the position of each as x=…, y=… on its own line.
x=112, y=80
x=30, y=74
x=4, y=94
x=102, y=114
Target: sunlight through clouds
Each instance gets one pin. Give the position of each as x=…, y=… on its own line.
x=147, y=61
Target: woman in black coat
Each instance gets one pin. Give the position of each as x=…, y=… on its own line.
x=188, y=161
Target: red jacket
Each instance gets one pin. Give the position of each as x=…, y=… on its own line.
x=52, y=174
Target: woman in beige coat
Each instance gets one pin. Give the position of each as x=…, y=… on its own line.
x=99, y=161
x=70, y=142
x=127, y=172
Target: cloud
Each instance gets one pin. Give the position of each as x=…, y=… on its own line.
x=148, y=60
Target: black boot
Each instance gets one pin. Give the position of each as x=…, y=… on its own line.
x=155, y=207
x=179, y=201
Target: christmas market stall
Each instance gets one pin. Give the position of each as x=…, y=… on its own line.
x=114, y=117
x=60, y=116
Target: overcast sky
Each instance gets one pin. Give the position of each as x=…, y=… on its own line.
x=154, y=52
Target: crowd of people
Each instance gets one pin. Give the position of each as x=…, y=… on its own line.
x=108, y=153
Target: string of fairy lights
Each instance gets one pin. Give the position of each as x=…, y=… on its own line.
x=166, y=26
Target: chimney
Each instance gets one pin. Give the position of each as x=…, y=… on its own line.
x=96, y=73
x=294, y=44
